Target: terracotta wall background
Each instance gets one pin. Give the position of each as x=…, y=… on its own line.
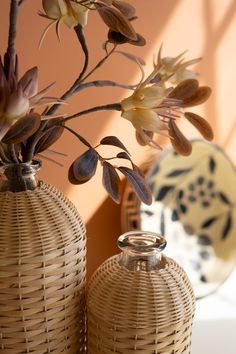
x=206, y=28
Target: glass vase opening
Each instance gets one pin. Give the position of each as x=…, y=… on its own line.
x=141, y=250
x=19, y=177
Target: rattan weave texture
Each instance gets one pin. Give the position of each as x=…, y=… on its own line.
x=42, y=273
x=139, y=312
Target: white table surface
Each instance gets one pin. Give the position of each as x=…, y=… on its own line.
x=214, y=329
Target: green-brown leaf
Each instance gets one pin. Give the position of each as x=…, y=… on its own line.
x=48, y=138
x=113, y=140
x=84, y=167
x=140, y=186
x=22, y=129
x=111, y=181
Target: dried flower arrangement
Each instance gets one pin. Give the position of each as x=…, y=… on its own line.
x=154, y=106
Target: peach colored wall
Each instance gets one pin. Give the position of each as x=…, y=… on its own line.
x=206, y=28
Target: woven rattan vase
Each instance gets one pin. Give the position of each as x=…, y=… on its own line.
x=140, y=301
x=42, y=267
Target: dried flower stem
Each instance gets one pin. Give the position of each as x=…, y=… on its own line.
x=73, y=89
x=30, y=149
x=80, y=34
x=98, y=65
x=12, y=152
x=103, y=83
x=21, y=2
x=81, y=138
x=12, y=29
x=108, y=107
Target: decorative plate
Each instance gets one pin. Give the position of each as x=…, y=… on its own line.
x=193, y=205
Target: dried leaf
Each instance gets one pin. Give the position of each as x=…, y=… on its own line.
x=126, y=9
x=201, y=124
x=116, y=37
x=140, y=186
x=116, y=21
x=107, y=2
x=113, y=140
x=140, y=41
x=123, y=155
x=131, y=57
x=22, y=129
x=201, y=95
x=111, y=181
x=4, y=153
x=185, y=89
x=179, y=142
x=49, y=138
x=119, y=38
x=84, y=167
x=145, y=138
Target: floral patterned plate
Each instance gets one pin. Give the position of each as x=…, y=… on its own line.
x=194, y=202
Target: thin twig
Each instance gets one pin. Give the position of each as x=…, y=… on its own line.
x=81, y=138
x=80, y=34
x=108, y=107
x=103, y=83
x=12, y=29
x=98, y=65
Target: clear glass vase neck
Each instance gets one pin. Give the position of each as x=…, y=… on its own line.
x=142, y=250
x=18, y=177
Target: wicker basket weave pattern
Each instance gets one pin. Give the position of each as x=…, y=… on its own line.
x=139, y=312
x=42, y=273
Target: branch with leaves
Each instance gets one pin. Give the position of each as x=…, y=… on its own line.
x=154, y=105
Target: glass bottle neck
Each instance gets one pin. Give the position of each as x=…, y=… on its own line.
x=19, y=177
x=141, y=251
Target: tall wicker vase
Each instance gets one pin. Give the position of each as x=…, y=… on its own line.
x=140, y=301
x=42, y=266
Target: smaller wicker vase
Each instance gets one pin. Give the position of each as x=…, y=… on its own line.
x=140, y=301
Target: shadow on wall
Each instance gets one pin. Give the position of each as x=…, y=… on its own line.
x=103, y=230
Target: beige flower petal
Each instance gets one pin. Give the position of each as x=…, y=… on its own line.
x=17, y=105
x=29, y=82
x=144, y=119
x=148, y=97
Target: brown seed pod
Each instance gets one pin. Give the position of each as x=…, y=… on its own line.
x=179, y=142
x=200, y=124
x=200, y=96
x=184, y=89
x=116, y=21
